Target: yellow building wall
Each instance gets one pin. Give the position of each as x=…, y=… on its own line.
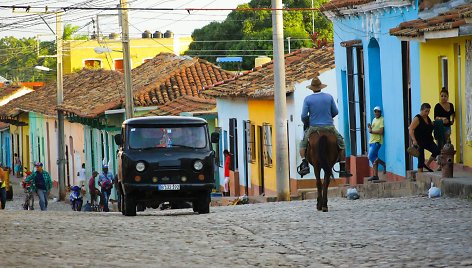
x=260, y=112
x=77, y=51
x=25, y=143
x=431, y=53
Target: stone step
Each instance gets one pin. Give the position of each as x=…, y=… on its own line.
x=370, y=190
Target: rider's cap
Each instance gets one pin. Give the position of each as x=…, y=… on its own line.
x=377, y=108
x=105, y=166
x=38, y=164
x=316, y=84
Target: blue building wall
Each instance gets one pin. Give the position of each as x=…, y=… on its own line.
x=5, y=156
x=383, y=77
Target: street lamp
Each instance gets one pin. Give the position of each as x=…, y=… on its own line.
x=101, y=50
x=42, y=68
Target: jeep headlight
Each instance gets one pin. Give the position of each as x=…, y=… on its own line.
x=198, y=165
x=140, y=166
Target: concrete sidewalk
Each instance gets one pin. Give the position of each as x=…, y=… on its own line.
x=459, y=186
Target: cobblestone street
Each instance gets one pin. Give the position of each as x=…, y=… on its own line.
x=397, y=232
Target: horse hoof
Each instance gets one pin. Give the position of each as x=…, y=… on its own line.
x=318, y=208
x=325, y=209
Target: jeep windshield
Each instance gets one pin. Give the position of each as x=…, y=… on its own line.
x=151, y=137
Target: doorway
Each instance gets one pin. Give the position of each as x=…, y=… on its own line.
x=406, y=85
x=67, y=166
x=260, y=143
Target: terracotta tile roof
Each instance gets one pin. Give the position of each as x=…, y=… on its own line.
x=336, y=4
x=156, y=82
x=184, y=103
x=83, y=92
x=300, y=65
x=167, y=77
x=7, y=91
x=89, y=93
x=445, y=21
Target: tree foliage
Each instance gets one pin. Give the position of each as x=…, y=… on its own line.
x=19, y=56
x=70, y=31
x=253, y=32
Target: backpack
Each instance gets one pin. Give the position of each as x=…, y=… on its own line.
x=106, y=184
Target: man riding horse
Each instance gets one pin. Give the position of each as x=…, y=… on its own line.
x=318, y=111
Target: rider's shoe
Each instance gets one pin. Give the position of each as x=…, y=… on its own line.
x=303, y=168
x=343, y=173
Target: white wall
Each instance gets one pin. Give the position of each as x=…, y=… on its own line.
x=294, y=110
x=233, y=108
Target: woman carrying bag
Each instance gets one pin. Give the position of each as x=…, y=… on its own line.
x=420, y=130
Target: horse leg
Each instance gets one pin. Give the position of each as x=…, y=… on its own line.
x=327, y=178
x=319, y=199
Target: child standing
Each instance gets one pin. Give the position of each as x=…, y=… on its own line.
x=227, y=155
x=29, y=197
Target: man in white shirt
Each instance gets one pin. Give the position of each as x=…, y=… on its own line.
x=81, y=177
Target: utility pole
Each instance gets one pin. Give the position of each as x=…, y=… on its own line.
x=312, y=18
x=126, y=60
x=60, y=114
x=280, y=99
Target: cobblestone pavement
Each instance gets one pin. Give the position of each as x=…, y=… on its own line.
x=395, y=232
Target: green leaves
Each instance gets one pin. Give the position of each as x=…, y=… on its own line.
x=249, y=33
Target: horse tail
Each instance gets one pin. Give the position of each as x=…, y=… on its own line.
x=323, y=153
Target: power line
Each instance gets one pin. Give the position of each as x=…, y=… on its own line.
x=65, y=8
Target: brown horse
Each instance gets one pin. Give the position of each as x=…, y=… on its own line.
x=322, y=154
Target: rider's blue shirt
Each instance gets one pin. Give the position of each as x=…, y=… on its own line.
x=320, y=108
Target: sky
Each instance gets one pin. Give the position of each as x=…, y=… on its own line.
x=18, y=23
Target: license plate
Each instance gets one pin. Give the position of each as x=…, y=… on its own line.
x=168, y=187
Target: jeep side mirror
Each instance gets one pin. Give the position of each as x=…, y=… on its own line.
x=215, y=137
x=118, y=139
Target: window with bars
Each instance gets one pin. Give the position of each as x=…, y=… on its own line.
x=93, y=64
x=250, y=141
x=267, y=148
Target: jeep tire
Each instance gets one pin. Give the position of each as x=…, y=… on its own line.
x=129, y=206
x=203, y=203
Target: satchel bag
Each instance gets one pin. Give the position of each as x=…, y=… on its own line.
x=413, y=150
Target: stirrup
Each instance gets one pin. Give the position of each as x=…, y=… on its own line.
x=303, y=170
x=344, y=174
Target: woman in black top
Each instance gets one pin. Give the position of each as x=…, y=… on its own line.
x=421, y=129
x=444, y=111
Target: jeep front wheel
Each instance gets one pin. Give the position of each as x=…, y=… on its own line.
x=129, y=206
x=203, y=206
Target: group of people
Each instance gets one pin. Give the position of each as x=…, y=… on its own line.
x=40, y=183
x=422, y=127
x=319, y=109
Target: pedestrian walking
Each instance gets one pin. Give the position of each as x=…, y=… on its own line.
x=4, y=187
x=29, y=196
x=105, y=181
x=376, y=130
x=227, y=155
x=444, y=115
x=41, y=183
x=421, y=133
x=94, y=191
x=17, y=168
x=81, y=176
